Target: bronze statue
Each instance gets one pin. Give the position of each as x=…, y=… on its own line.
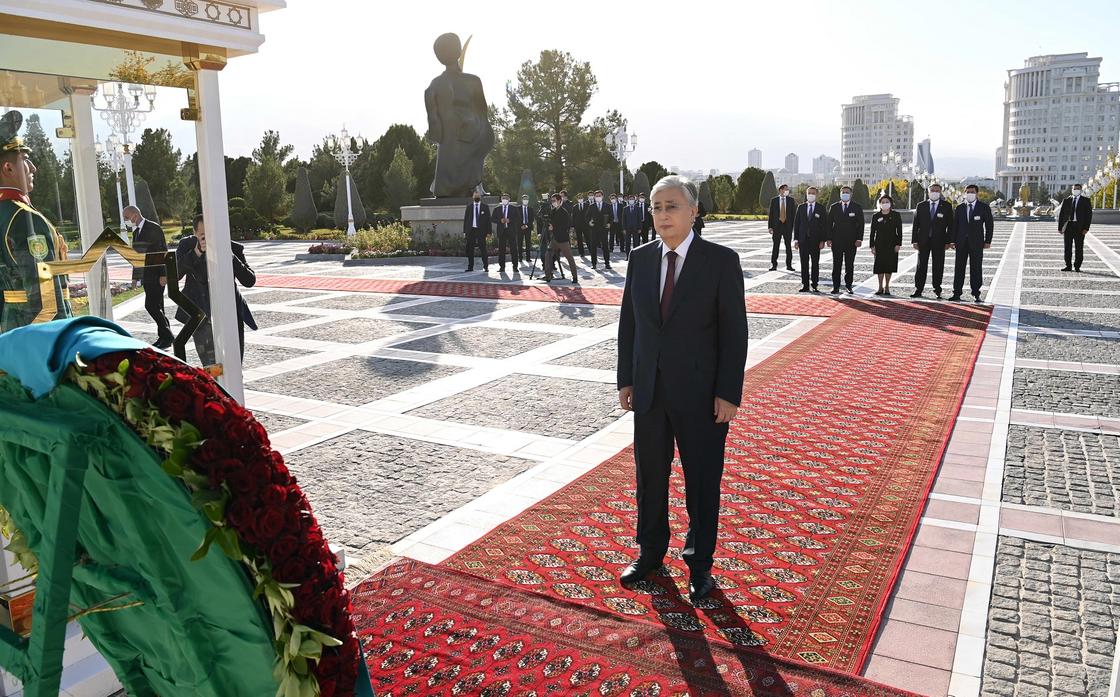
x=458, y=121
x=1025, y=193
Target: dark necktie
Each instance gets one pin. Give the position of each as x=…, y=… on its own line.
x=670, y=283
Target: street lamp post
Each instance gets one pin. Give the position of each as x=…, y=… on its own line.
x=112, y=154
x=621, y=144
x=124, y=114
x=346, y=156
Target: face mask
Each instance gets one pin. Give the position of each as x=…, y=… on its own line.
x=934, y=195
x=524, y=202
x=811, y=198
x=598, y=199
x=641, y=200
x=1077, y=192
x=580, y=201
x=885, y=206
x=845, y=197
x=783, y=193
x=971, y=198
x=631, y=202
x=129, y=225
x=505, y=201
x=614, y=200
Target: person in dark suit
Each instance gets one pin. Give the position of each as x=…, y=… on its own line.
x=631, y=223
x=780, y=224
x=615, y=209
x=526, y=218
x=559, y=240
x=647, y=217
x=570, y=208
x=190, y=258
x=505, y=223
x=147, y=237
x=579, y=221
x=476, y=223
x=682, y=348
x=845, y=234
x=973, y=227
x=597, y=223
x=886, y=243
x=698, y=223
x=931, y=235
x=810, y=227
x=1074, y=219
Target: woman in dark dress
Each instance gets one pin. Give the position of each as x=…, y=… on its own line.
x=886, y=241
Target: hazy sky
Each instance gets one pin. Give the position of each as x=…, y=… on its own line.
x=701, y=82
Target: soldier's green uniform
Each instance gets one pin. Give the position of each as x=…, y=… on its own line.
x=27, y=239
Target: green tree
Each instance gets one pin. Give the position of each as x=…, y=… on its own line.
x=356, y=207
x=767, y=191
x=723, y=193
x=654, y=171
x=748, y=190
x=265, y=179
x=608, y=182
x=860, y=194
x=304, y=212
x=157, y=161
x=144, y=200
x=641, y=183
x=45, y=196
x=706, y=196
x=236, y=167
x=370, y=167
x=181, y=199
x=400, y=183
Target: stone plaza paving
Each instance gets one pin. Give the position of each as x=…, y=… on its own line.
x=418, y=423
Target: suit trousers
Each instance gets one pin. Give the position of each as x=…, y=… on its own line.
x=476, y=237
x=630, y=239
x=843, y=255
x=973, y=257
x=580, y=233
x=509, y=239
x=615, y=237
x=1075, y=247
x=525, y=237
x=810, y=254
x=204, y=341
x=925, y=251
x=645, y=235
x=599, y=241
x=700, y=441
x=153, y=303
x=778, y=237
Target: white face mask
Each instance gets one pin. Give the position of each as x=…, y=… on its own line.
x=129, y=225
x=1077, y=192
x=934, y=195
x=971, y=198
x=811, y=198
x=885, y=206
x=598, y=199
x=783, y=193
x=524, y=202
x=505, y=201
x=845, y=197
x=580, y=201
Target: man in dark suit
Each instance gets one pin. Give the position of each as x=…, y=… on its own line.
x=476, y=223
x=780, y=224
x=526, y=218
x=845, y=234
x=682, y=348
x=579, y=221
x=631, y=223
x=147, y=237
x=190, y=258
x=646, y=216
x=1074, y=219
x=597, y=223
x=698, y=223
x=810, y=227
x=931, y=236
x=973, y=229
x=615, y=209
x=505, y=222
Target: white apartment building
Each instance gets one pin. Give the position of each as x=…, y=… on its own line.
x=1059, y=122
x=871, y=127
x=825, y=166
x=792, y=163
x=754, y=158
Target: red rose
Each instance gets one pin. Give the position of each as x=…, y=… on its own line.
x=246, y=432
x=241, y=482
x=239, y=515
x=210, y=416
x=106, y=364
x=156, y=378
x=222, y=470
x=283, y=548
x=137, y=380
x=268, y=525
x=304, y=594
x=327, y=687
x=273, y=496
x=175, y=403
x=211, y=451
x=293, y=570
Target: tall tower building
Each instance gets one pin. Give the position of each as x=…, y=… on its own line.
x=754, y=158
x=1059, y=122
x=871, y=127
x=792, y=163
x=924, y=158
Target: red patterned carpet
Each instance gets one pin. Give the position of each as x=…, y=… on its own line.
x=433, y=631
x=829, y=464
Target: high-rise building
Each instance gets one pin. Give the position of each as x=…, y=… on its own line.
x=754, y=158
x=1059, y=122
x=924, y=158
x=825, y=165
x=871, y=127
x=1001, y=159
x=792, y=163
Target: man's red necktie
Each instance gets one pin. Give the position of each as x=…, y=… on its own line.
x=670, y=283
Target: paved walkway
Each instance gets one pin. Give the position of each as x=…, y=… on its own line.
x=447, y=416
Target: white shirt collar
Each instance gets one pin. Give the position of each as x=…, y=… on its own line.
x=682, y=248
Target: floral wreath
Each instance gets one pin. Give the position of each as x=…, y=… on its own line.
x=258, y=516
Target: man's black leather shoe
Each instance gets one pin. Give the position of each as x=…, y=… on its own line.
x=638, y=570
x=700, y=586
x=955, y=297
x=916, y=294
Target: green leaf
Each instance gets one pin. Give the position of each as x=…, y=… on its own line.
x=122, y=367
x=227, y=540
x=201, y=552
x=194, y=479
x=166, y=383
x=172, y=468
x=311, y=648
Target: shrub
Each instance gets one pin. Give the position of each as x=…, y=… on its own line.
x=330, y=248
x=394, y=239
x=324, y=221
x=246, y=224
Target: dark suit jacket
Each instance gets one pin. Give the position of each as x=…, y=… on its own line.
x=844, y=230
x=561, y=224
x=513, y=214
x=1084, y=214
x=646, y=215
x=197, y=287
x=978, y=231
x=698, y=224
x=608, y=209
x=700, y=351
x=149, y=239
x=632, y=218
x=773, y=220
x=519, y=219
x=483, y=218
x=813, y=230
x=597, y=217
x=579, y=217
x=939, y=222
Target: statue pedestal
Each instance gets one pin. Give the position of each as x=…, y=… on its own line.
x=434, y=224
x=1023, y=211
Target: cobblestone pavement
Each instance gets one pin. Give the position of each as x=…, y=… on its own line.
x=600, y=356
x=1070, y=319
x=1052, y=622
x=453, y=309
x=357, y=301
x=1034, y=297
x=1067, y=392
x=580, y=315
x=482, y=341
x=1070, y=470
x=355, y=380
x=272, y=297
x=1084, y=349
x=274, y=423
x=356, y=330
x=268, y=320
x=370, y=489
x=556, y=407
x=259, y=355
